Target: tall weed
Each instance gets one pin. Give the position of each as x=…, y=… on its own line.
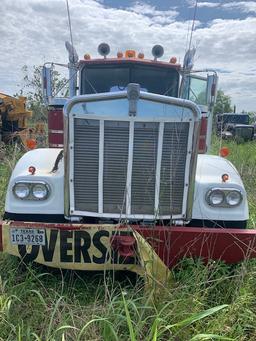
x=206, y=302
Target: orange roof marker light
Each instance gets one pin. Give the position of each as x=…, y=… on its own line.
x=87, y=56
x=119, y=54
x=224, y=151
x=130, y=54
x=173, y=60
x=141, y=55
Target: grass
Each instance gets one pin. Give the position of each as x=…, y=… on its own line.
x=213, y=302
x=8, y=158
x=243, y=156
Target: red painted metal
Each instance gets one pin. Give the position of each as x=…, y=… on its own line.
x=125, y=245
x=203, y=135
x=55, y=127
x=174, y=243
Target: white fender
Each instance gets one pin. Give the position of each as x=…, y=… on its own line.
x=43, y=160
x=209, y=173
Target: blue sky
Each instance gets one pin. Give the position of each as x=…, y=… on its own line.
x=207, y=10
x=34, y=31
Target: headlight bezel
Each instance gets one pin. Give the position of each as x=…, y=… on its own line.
x=18, y=184
x=31, y=185
x=240, y=195
x=211, y=193
x=226, y=191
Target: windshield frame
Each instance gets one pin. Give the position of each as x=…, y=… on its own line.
x=130, y=63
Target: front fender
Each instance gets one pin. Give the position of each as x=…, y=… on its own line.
x=43, y=160
x=209, y=173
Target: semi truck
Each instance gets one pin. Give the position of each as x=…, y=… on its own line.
x=128, y=163
x=234, y=126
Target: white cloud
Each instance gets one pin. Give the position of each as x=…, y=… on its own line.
x=244, y=6
x=156, y=16
x=146, y=9
x=208, y=4
x=33, y=32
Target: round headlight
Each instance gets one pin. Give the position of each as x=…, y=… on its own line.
x=233, y=198
x=216, y=197
x=21, y=190
x=40, y=191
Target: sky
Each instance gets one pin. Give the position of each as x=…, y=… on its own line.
x=34, y=32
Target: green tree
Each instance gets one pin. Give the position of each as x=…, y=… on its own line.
x=31, y=87
x=223, y=103
x=252, y=115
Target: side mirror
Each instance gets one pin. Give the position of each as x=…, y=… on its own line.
x=212, y=81
x=46, y=84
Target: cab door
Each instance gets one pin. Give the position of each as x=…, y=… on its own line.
x=202, y=91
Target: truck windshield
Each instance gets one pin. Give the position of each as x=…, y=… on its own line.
x=109, y=78
x=236, y=118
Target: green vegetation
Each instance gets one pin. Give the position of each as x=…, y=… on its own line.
x=243, y=156
x=223, y=103
x=31, y=87
x=213, y=302
x=8, y=158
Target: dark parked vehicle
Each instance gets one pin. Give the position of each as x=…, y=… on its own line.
x=235, y=126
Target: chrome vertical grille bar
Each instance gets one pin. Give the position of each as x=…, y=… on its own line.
x=129, y=168
x=158, y=166
x=101, y=167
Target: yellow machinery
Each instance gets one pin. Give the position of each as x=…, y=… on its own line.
x=13, y=118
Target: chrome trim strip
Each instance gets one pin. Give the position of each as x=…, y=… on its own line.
x=192, y=170
x=71, y=166
x=129, y=168
x=187, y=174
x=123, y=94
x=158, y=166
x=55, y=145
x=124, y=216
x=66, y=158
x=101, y=164
x=54, y=131
x=127, y=119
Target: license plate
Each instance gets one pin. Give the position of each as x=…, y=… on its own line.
x=27, y=236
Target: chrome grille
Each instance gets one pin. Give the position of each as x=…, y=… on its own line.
x=245, y=133
x=104, y=191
